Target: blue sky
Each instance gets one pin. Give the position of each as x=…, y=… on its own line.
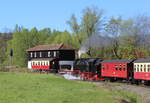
x=55, y=13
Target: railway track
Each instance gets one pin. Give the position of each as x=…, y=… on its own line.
x=122, y=83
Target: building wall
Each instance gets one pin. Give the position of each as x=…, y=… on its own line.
x=67, y=55
x=29, y=65
x=60, y=54
x=43, y=54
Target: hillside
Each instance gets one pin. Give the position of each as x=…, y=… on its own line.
x=42, y=88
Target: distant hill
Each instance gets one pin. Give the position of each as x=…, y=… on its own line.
x=6, y=36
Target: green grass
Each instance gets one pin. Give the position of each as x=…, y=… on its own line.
x=42, y=88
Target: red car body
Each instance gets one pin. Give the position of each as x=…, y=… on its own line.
x=142, y=76
x=117, y=68
x=43, y=67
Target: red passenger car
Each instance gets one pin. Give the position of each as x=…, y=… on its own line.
x=44, y=63
x=142, y=70
x=117, y=69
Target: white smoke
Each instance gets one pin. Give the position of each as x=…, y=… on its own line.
x=82, y=51
x=94, y=41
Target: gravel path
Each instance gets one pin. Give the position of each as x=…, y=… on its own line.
x=144, y=92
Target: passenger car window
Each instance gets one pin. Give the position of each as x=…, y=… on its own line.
x=144, y=69
x=148, y=70
x=120, y=69
x=137, y=69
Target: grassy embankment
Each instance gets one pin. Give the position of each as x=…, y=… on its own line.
x=42, y=88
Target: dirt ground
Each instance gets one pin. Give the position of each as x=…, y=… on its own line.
x=144, y=92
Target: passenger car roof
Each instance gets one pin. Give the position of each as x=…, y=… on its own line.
x=142, y=60
x=117, y=61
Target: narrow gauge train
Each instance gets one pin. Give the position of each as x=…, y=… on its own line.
x=133, y=71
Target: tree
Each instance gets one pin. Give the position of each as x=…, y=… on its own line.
x=51, y=38
x=92, y=21
x=43, y=35
x=142, y=24
x=17, y=28
x=130, y=39
x=113, y=30
x=4, y=38
x=24, y=39
x=63, y=37
x=75, y=27
x=19, y=44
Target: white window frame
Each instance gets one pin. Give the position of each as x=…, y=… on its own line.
x=35, y=54
x=40, y=54
x=49, y=54
x=135, y=68
x=31, y=54
x=54, y=53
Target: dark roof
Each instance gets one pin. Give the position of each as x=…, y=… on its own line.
x=117, y=61
x=86, y=61
x=89, y=59
x=51, y=47
x=142, y=60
